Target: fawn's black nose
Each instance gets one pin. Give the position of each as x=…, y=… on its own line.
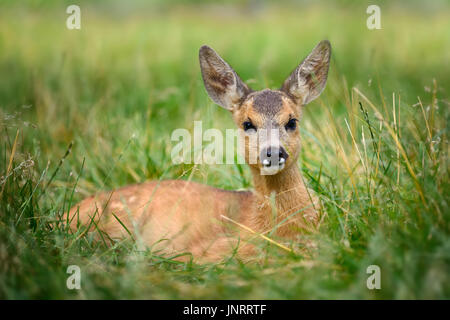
x=273, y=156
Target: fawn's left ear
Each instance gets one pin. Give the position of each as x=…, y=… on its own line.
x=222, y=83
x=308, y=80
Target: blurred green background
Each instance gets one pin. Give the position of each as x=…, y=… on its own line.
x=118, y=87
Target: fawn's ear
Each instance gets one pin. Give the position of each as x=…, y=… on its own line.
x=308, y=80
x=222, y=83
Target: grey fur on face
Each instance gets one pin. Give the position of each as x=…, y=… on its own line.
x=268, y=102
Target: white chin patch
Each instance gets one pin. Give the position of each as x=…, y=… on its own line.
x=271, y=170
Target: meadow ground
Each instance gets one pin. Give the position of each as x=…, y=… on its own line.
x=93, y=109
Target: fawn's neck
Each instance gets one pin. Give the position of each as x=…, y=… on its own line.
x=281, y=196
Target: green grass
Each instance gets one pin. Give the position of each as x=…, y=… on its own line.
x=375, y=145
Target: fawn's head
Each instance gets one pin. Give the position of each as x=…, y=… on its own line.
x=269, y=118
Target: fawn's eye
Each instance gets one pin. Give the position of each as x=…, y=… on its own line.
x=291, y=125
x=248, y=125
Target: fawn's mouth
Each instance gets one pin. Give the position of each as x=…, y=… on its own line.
x=269, y=170
x=273, y=159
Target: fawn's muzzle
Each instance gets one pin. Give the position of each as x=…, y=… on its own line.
x=273, y=156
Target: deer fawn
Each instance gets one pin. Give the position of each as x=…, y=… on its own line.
x=190, y=215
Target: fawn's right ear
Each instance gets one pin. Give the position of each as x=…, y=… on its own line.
x=222, y=83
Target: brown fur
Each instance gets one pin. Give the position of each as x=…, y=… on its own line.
x=188, y=214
